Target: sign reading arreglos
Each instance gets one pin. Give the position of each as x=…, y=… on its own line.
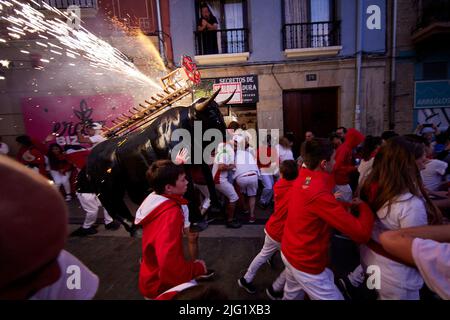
x=248, y=84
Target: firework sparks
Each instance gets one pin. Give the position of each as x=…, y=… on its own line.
x=73, y=42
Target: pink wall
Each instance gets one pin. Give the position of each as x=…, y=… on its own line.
x=44, y=115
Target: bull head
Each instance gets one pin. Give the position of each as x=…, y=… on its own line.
x=200, y=106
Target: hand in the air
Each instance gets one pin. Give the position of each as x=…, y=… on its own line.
x=182, y=156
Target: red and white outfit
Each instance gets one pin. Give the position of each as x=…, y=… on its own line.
x=224, y=155
x=274, y=233
x=312, y=214
x=163, y=264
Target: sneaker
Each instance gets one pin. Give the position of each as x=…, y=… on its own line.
x=112, y=225
x=82, y=232
x=233, y=224
x=252, y=220
x=274, y=295
x=198, y=226
x=346, y=287
x=68, y=198
x=207, y=276
x=247, y=286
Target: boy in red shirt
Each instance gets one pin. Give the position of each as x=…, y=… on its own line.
x=312, y=213
x=161, y=217
x=274, y=232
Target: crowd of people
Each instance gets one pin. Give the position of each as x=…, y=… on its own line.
x=387, y=194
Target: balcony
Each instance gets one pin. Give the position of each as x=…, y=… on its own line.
x=433, y=19
x=311, y=39
x=88, y=8
x=221, y=46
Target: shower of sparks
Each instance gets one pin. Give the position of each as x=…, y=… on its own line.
x=73, y=42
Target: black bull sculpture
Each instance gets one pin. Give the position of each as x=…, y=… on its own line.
x=118, y=165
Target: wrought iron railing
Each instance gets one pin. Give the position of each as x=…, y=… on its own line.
x=311, y=35
x=221, y=41
x=431, y=11
x=64, y=4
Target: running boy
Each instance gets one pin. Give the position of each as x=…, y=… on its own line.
x=312, y=213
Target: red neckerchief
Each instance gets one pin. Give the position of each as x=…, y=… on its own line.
x=177, y=198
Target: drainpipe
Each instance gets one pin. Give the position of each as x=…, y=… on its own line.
x=392, y=83
x=359, y=26
x=160, y=33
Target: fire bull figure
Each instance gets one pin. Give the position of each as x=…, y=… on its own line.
x=118, y=165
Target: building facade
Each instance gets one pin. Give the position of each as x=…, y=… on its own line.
x=317, y=65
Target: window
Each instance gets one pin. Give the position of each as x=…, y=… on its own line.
x=231, y=33
x=310, y=24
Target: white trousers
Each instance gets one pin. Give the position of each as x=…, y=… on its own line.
x=269, y=248
x=357, y=276
x=318, y=286
x=394, y=292
x=90, y=204
x=205, y=193
x=267, y=192
x=61, y=179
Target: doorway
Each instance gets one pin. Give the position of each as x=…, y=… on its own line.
x=309, y=110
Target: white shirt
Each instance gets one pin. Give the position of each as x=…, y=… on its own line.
x=405, y=211
x=433, y=174
x=284, y=153
x=364, y=168
x=433, y=261
x=224, y=155
x=4, y=149
x=68, y=287
x=245, y=163
x=96, y=139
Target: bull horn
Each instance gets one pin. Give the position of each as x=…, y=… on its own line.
x=200, y=106
x=224, y=102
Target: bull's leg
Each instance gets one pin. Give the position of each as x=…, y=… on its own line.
x=196, y=218
x=211, y=186
x=112, y=201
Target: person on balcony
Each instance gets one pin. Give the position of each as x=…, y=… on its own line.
x=207, y=26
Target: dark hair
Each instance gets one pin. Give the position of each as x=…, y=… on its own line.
x=343, y=129
x=370, y=144
x=316, y=150
x=205, y=5
x=24, y=140
x=234, y=125
x=162, y=173
x=386, y=135
x=289, y=170
x=334, y=136
x=394, y=172
x=201, y=292
x=414, y=138
x=54, y=161
x=285, y=143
